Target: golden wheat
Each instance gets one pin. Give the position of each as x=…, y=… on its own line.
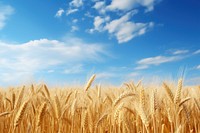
x=127, y=109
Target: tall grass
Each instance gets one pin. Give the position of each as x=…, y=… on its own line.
x=132, y=108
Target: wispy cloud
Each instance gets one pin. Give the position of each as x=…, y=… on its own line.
x=180, y=52
x=198, y=67
x=71, y=11
x=157, y=60
x=5, y=12
x=74, y=28
x=75, y=20
x=105, y=75
x=197, y=52
x=74, y=69
x=193, y=80
x=59, y=13
x=140, y=67
x=42, y=55
x=176, y=55
x=89, y=15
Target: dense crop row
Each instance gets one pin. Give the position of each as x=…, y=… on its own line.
x=131, y=108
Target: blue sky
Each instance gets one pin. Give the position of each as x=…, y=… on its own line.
x=64, y=42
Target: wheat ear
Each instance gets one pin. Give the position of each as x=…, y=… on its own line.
x=89, y=83
x=20, y=113
x=122, y=96
x=169, y=92
x=41, y=113
x=178, y=92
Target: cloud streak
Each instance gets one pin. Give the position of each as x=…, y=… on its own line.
x=176, y=55
x=157, y=60
x=180, y=52
x=5, y=12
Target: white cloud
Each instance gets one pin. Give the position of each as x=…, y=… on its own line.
x=157, y=60
x=198, y=67
x=89, y=15
x=75, y=20
x=74, y=70
x=5, y=12
x=193, y=81
x=50, y=71
x=59, y=13
x=141, y=67
x=126, y=5
x=74, y=28
x=197, y=52
x=125, y=30
x=98, y=23
x=76, y=3
x=70, y=11
x=133, y=74
x=19, y=61
x=180, y=52
x=100, y=7
x=105, y=75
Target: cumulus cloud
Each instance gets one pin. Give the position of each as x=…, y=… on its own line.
x=99, y=23
x=59, y=12
x=5, y=12
x=125, y=30
x=23, y=60
x=130, y=4
x=76, y=3
x=100, y=6
x=119, y=24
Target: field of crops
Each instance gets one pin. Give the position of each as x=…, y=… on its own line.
x=131, y=108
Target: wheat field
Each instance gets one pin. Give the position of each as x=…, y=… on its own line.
x=131, y=108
